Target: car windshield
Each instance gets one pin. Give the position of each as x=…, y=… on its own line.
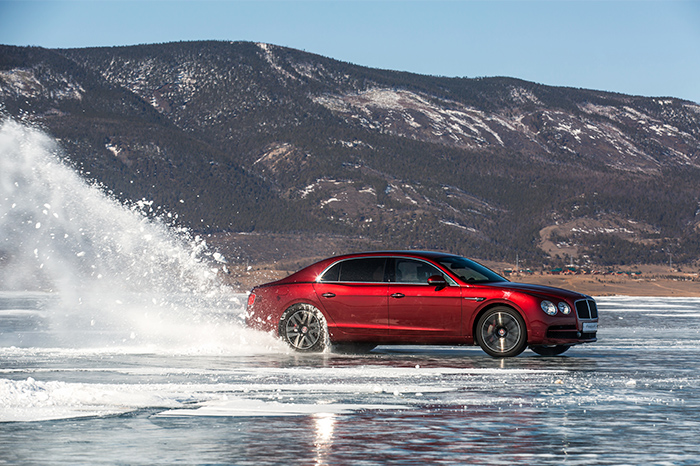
x=469, y=271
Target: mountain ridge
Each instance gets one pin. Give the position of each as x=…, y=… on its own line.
x=260, y=138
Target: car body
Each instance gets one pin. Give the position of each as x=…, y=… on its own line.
x=418, y=297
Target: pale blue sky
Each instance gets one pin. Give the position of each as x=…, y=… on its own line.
x=649, y=47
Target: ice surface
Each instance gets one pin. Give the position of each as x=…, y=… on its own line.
x=244, y=407
x=603, y=403
x=31, y=400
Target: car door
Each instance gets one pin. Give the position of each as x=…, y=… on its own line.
x=353, y=293
x=419, y=309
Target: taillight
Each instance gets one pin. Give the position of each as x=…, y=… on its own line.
x=251, y=300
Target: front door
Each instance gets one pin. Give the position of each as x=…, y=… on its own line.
x=419, y=309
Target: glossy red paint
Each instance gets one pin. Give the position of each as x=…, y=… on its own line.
x=386, y=298
x=358, y=308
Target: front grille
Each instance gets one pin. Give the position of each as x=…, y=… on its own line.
x=586, y=309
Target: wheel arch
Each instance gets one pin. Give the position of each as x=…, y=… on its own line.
x=299, y=293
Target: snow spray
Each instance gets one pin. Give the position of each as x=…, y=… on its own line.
x=118, y=276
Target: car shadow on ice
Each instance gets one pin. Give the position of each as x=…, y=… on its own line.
x=467, y=357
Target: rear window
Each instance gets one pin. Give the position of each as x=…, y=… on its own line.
x=367, y=270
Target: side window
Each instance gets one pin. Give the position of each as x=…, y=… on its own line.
x=363, y=270
x=369, y=270
x=413, y=271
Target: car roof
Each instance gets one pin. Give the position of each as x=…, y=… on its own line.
x=404, y=253
x=311, y=272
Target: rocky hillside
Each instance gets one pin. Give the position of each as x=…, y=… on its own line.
x=255, y=138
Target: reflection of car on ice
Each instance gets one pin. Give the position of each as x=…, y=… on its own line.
x=358, y=301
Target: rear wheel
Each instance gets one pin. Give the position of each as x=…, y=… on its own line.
x=501, y=332
x=304, y=328
x=553, y=350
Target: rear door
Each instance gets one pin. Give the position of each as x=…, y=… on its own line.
x=418, y=309
x=353, y=293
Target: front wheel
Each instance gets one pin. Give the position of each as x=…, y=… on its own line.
x=554, y=350
x=501, y=332
x=304, y=328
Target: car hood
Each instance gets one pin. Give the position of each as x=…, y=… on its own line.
x=540, y=290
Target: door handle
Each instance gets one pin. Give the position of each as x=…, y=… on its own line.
x=398, y=295
x=328, y=295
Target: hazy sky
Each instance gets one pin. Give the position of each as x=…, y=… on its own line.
x=649, y=48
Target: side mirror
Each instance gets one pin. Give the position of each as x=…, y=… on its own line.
x=437, y=280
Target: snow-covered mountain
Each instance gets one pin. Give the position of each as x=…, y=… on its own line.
x=245, y=137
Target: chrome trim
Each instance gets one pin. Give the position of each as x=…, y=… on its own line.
x=588, y=306
x=333, y=264
x=450, y=280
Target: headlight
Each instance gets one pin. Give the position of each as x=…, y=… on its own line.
x=548, y=307
x=564, y=308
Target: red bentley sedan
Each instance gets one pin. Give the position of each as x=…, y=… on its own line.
x=359, y=301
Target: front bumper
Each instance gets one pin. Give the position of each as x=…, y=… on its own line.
x=570, y=333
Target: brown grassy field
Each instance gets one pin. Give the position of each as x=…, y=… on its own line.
x=278, y=255
x=605, y=285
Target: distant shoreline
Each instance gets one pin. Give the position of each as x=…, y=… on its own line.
x=645, y=284
x=604, y=285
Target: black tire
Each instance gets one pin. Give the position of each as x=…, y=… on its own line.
x=304, y=328
x=554, y=350
x=501, y=332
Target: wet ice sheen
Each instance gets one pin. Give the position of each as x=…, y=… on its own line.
x=631, y=398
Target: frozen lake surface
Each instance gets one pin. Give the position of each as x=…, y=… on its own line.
x=85, y=394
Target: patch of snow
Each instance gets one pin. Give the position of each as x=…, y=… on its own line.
x=113, y=149
x=243, y=407
x=24, y=82
x=32, y=400
x=601, y=230
x=328, y=201
x=522, y=95
x=457, y=225
x=452, y=120
x=309, y=189
x=272, y=60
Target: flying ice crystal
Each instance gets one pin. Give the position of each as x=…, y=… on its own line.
x=93, y=251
